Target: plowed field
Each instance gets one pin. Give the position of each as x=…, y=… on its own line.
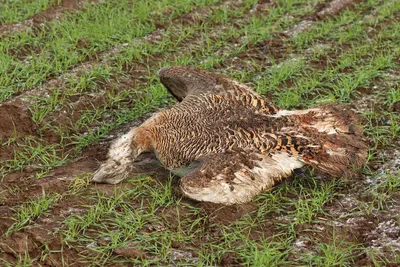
x=74, y=75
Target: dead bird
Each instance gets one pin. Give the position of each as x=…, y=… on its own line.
x=229, y=144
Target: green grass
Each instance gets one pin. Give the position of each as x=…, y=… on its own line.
x=311, y=203
x=335, y=253
x=49, y=52
x=17, y=10
x=96, y=54
x=31, y=211
x=41, y=158
x=386, y=186
x=119, y=223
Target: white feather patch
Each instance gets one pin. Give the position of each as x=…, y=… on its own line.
x=246, y=183
x=326, y=122
x=121, y=149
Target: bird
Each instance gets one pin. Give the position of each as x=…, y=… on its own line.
x=228, y=144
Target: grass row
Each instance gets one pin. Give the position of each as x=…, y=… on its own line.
x=136, y=217
x=18, y=10
x=54, y=48
x=30, y=211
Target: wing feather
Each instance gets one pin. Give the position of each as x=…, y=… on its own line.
x=183, y=81
x=237, y=177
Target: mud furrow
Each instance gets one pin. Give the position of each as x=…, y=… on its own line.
x=51, y=14
x=257, y=56
x=334, y=8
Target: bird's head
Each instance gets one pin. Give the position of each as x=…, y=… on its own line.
x=121, y=156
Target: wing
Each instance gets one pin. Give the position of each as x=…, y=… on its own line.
x=236, y=177
x=182, y=81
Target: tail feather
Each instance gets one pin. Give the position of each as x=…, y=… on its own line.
x=341, y=155
x=336, y=145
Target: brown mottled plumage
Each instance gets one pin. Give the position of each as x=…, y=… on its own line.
x=229, y=143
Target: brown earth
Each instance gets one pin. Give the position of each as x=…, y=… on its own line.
x=16, y=121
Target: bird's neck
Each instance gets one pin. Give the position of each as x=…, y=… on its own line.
x=145, y=134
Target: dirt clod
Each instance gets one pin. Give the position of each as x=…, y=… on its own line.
x=15, y=120
x=335, y=7
x=221, y=214
x=130, y=252
x=17, y=244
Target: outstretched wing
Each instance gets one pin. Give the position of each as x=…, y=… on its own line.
x=236, y=177
x=182, y=81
